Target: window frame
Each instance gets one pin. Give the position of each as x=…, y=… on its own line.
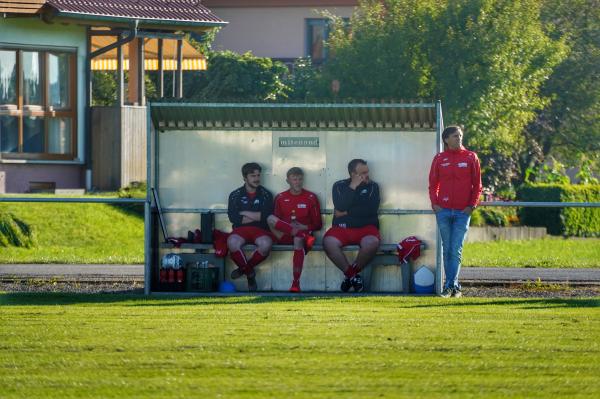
x=44, y=111
x=326, y=23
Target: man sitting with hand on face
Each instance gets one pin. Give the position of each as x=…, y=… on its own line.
x=297, y=214
x=355, y=222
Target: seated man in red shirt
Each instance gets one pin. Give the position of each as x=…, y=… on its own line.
x=297, y=214
x=248, y=209
x=355, y=222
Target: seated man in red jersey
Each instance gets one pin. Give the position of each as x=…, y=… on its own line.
x=297, y=214
x=248, y=209
x=355, y=222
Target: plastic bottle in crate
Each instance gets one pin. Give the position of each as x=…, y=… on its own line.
x=164, y=275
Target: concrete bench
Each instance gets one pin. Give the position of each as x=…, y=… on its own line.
x=386, y=255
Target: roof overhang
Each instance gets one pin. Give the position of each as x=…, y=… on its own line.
x=143, y=23
x=163, y=15
x=277, y=116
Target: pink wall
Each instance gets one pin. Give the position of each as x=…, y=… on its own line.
x=15, y=178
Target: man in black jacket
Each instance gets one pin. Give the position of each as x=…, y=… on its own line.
x=355, y=222
x=248, y=209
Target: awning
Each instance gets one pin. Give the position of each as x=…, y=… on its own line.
x=296, y=117
x=193, y=60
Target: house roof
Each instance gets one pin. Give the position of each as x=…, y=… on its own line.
x=190, y=12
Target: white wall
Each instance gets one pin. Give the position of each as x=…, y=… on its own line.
x=275, y=32
x=35, y=33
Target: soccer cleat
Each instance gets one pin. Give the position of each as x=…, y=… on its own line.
x=346, y=284
x=456, y=293
x=295, y=286
x=446, y=293
x=252, y=286
x=237, y=273
x=309, y=242
x=357, y=283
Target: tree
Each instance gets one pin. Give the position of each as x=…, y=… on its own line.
x=569, y=126
x=485, y=59
x=245, y=77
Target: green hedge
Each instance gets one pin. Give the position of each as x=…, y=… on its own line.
x=496, y=217
x=583, y=222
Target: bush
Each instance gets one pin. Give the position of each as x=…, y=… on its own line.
x=243, y=77
x=477, y=219
x=496, y=217
x=135, y=189
x=583, y=222
x=15, y=232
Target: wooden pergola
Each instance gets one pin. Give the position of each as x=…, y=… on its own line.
x=137, y=35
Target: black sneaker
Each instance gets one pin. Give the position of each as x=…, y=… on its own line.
x=237, y=273
x=252, y=286
x=346, y=284
x=447, y=293
x=456, y=293
x=357, y=283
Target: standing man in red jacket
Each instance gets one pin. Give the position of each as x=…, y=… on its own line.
x=297, y=214
x=454, y=190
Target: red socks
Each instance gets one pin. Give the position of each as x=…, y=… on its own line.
x=298, y=263
x=255, y=259
x=240, y=259
x=351, y=271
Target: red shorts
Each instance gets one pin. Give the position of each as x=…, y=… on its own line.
x=251, y=233
x=352, y=235
x=287, y=239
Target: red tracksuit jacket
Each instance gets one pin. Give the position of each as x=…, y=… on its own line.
x=455, y=179
x=305, y=205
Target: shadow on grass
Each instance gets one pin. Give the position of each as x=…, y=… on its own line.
x=136, y=210
x=404, y=302
x=529, y=303
x=56, y=298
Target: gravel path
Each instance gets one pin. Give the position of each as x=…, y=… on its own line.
x=467, y=274
x=136, y=287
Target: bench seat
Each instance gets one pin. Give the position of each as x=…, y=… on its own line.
x=386, y=255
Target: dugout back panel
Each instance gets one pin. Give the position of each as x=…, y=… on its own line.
x=199, y=150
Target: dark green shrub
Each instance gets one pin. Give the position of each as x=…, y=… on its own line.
x=477, y=219
x=135, y=189
x=243, y=77
x=497, y=217
x=584, y=222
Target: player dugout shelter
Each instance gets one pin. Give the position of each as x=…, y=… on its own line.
x=195, y=153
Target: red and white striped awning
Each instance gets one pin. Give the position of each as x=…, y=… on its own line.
x=193, y=64
x=193, y=60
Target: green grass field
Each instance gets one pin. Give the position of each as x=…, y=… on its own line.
x=77, y=233
x=548, y=252
x=98, y=233
x=111, y=346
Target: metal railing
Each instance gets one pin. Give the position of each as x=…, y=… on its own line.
x=542, y=204
x=147, y=212
x=80, y=200
x=97, y=200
